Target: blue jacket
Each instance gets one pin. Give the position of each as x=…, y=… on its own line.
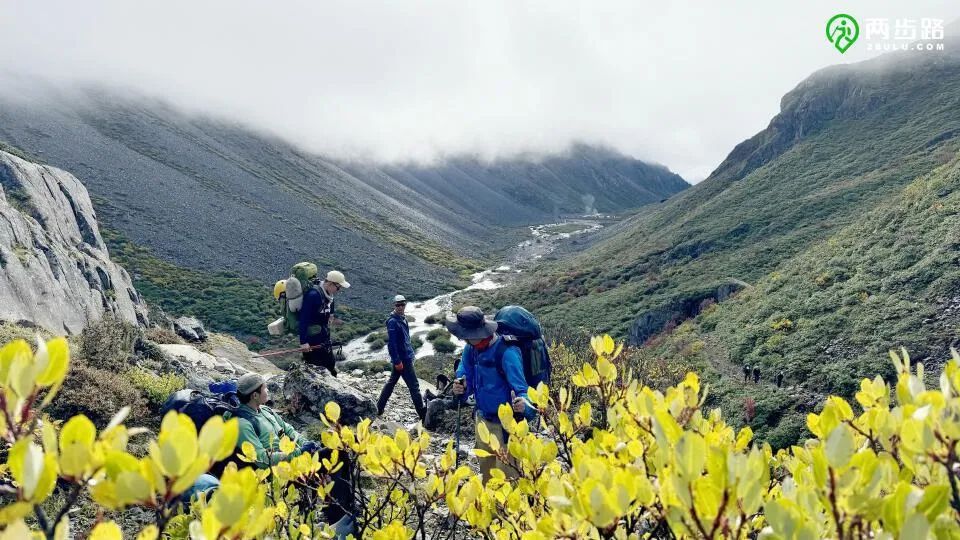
x=398, y=339
x=486, y=383
x=315, y=317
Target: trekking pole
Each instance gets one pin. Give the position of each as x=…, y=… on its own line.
x=457, y=443
x=288, y=351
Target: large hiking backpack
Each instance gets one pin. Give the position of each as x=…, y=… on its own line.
x=518, y=327
x=200, y=407
x=290, y=293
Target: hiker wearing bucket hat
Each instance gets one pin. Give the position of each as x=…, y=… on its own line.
x=492, y=371
x=318, y=311
x=262, y=428
x=402, y=357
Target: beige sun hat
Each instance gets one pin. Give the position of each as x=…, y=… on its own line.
x=336, y=276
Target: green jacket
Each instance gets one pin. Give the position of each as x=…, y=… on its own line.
x=271, y=429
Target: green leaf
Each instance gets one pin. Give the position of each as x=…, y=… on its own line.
x=839, y=448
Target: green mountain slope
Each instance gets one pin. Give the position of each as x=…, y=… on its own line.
x=847, y=139
x=827, y=317
x=827, y=238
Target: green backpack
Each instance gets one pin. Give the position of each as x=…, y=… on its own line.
x=302, y=278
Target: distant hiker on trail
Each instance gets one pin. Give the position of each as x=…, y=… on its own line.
x=779, y=379
x=756, y=374
x=746, y=373
x=402, y=357
x=263, y=428
x=318, y=309
x=493, y=381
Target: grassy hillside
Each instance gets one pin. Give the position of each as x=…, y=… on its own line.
x=827, y=317
x=224, y=301
x=889, y=124
x=841, y=251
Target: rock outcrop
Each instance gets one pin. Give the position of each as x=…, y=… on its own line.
x=309, y=388
x=190, y=329
x=653, y=321
x=54, y=267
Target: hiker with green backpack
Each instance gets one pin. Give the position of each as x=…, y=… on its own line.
x=308, y=309
x=497, y=367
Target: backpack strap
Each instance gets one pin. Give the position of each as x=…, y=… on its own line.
x=240, y=413
x=504, y=343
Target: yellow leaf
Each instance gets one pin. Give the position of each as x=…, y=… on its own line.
x=17, y=530
x=332, y=411
x=248, y=451
x=150, y=532
x=839, y=448
x=286, y=445
x=26, y=465
x=76, y=446
x=132, y=487
x=11, y=513
x=211, y=436
x=608, y=372
x=106, y=531
x=483, y=433
x=607, y=344
x=16, y=352
x=58, y=360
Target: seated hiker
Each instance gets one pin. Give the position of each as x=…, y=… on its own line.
x=265, y=437
x=436, y=403
x=402, y=357
x=319, y=309
x=492, y=371
x=443, y=387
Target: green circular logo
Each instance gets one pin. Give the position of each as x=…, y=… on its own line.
x=842, y=31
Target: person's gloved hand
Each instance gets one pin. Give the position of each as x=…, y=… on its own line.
x=519, y=404
x=310, y=447
x=398, y=367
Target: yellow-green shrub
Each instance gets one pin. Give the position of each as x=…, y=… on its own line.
x=156, y=387
x=658, y=466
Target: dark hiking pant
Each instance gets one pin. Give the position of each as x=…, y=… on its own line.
x=410, y=377
x=342, y=500
x=322, y=357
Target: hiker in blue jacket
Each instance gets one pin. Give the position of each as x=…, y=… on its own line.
x=402, y=357
x=318, y=311
x=491, y=371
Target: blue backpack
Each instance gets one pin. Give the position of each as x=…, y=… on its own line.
x=519, y=328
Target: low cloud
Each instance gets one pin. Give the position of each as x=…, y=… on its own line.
x=679, y=83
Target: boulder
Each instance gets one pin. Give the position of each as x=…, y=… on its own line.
x=55, y=270
x=307, y=387
x=198, y=367
x=190, y=329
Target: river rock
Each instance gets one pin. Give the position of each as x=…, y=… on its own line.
x=307, y=387
x=190, y=329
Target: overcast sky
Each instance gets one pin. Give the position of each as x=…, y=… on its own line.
x=679, y=83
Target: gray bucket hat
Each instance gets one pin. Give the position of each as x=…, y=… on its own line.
x=469, y=323
x=249, y=382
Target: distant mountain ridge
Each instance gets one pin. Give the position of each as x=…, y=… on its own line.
x=214, y=195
